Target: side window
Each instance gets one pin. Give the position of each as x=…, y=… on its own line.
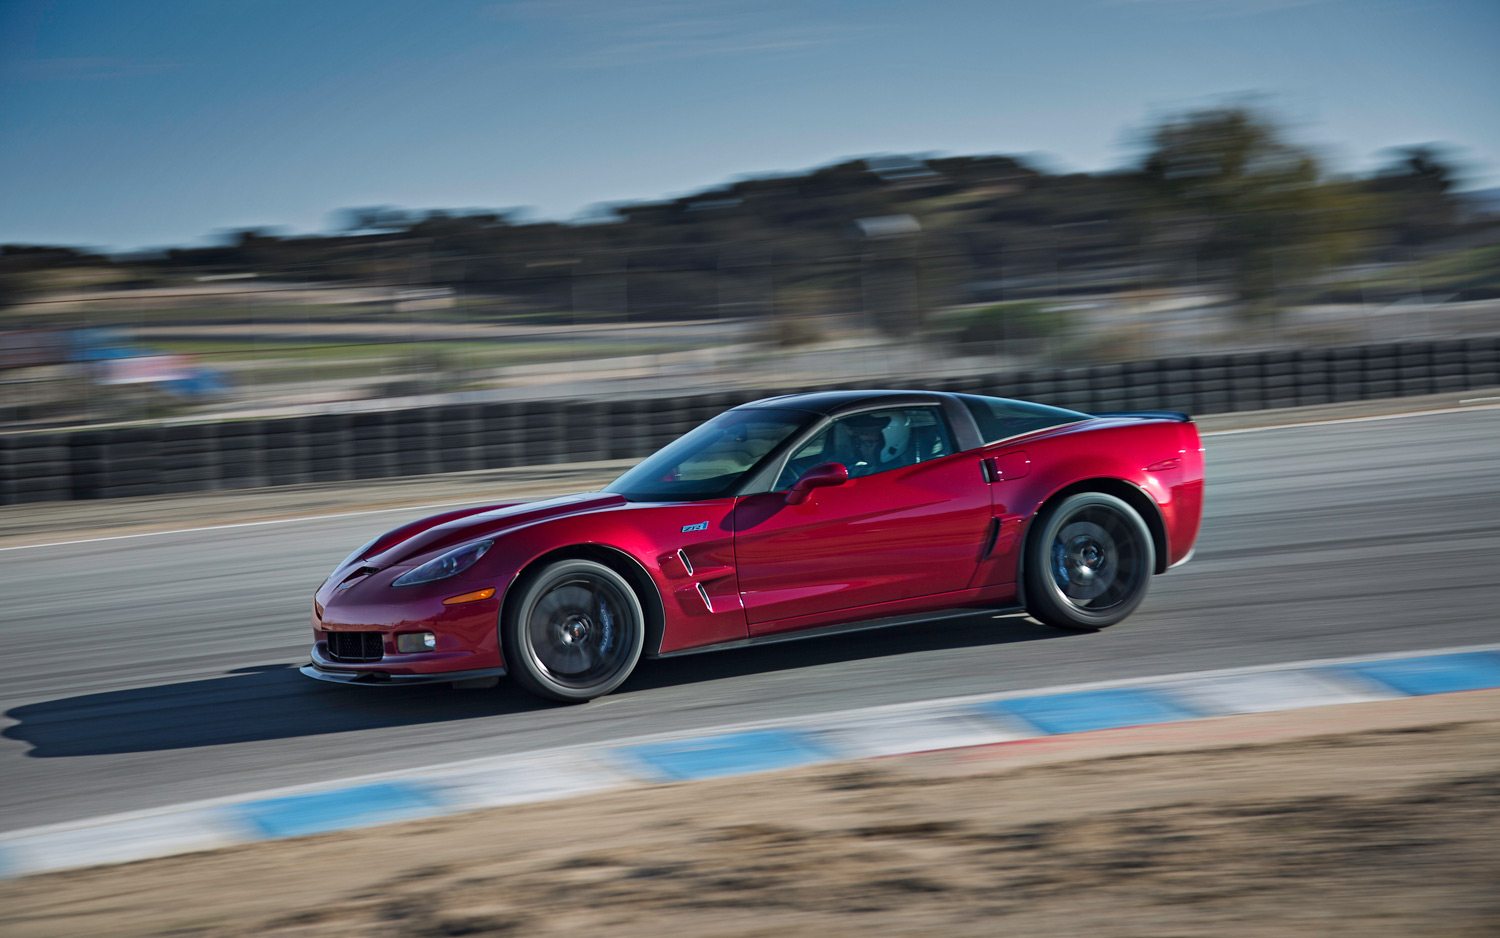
x=814, y=452
x=999, y=418
x=873, y=441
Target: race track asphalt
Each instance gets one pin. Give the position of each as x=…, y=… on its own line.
x=155, y=670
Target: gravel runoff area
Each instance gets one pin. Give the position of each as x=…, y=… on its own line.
x=1365, y=819
x=57, y=521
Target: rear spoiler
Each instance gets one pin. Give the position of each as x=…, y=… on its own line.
x=1176, y=416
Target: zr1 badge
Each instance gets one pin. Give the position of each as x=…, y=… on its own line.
x=700, y=526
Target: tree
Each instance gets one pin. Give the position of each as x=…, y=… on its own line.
x=1227, y=180
x=374, y=218
x=1415, y=190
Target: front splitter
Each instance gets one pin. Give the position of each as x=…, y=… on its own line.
x=384, y=679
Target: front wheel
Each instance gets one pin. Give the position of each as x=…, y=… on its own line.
x=575, y=633
x=1088, y=562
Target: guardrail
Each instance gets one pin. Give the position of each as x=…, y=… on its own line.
x=114, y=462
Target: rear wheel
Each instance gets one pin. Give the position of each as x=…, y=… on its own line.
x=575, y=633
x=1089, y=562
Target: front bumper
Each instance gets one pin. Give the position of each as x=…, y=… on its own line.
x=349, y=675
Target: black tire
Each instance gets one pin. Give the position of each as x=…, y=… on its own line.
x=1088, y=562
x=574, y=633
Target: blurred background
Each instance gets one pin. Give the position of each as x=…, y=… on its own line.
x=212, y=211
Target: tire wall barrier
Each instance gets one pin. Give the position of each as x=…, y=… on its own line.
x=114, y=462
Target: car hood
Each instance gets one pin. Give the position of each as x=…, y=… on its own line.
x=488, y=522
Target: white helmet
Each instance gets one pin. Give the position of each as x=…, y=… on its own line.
x=897, y=434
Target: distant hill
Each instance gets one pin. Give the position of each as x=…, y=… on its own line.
x=1221, y=198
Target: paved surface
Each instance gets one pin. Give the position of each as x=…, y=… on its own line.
x=157, y=670
x=578, y=771
x=56, y=522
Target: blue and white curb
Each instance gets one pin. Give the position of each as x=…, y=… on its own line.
x=742, y=749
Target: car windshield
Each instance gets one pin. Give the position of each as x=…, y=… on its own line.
x=711, y=460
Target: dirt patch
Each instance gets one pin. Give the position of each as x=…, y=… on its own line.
x=1380, y=831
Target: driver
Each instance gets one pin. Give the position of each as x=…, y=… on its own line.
x=866, y=439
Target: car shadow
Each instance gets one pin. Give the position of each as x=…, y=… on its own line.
x=269, y=702
x=241, y=706
x=980, y=629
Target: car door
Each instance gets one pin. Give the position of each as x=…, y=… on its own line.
x=910, y=524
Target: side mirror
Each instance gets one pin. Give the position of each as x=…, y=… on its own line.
x=818, y=477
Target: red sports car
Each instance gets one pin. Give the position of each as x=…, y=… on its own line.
x=784, y=518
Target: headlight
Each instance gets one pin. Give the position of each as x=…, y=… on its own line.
x=454, y=562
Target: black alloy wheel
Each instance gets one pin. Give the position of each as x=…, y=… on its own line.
x=575, y=633
x=1088, y=562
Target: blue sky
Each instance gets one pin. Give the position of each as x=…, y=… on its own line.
x=131, y=123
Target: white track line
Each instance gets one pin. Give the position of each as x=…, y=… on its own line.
x=471, y=501
x=1369, y=419
x=247, y=524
